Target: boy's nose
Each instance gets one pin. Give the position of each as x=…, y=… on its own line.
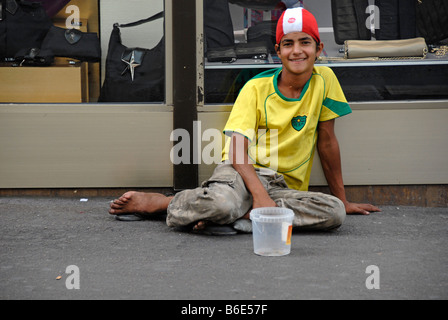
x=297, y=48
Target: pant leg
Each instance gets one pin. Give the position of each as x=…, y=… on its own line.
x=312, y=210
x=222, y=199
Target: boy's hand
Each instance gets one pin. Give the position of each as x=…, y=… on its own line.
x=265, y=202
x=360, y=208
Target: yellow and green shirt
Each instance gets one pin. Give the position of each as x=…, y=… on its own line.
x=283, y=131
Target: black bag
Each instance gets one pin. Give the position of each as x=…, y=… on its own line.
x=73, y=43
x=432, y=20
x=134, y=74
x=257, y=4
x=396, y=20
x=408, y=19
x=264, y=32
x=218, y=27
x=349, y=20
x=23, y=25
x=34, y=57
x=252, y=50
x=223, y=54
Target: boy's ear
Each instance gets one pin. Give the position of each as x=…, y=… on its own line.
x=320, y=48
x=277, y=48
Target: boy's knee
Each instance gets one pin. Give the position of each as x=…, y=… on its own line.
x=338, y=215
x=224, y=206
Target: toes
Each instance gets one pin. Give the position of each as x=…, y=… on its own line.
x=127, y=196
x=122, y=199
x=119, y=202
x=115, y=206
x=200, y=225
x=116, y=211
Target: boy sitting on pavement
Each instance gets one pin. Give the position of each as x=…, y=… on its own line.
x=296, y=105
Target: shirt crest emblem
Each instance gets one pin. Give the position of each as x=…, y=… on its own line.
x=298, y=123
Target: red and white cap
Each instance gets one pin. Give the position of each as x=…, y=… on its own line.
x=297, y=20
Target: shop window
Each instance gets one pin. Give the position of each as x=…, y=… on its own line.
x=240, y=39
x=82, y=51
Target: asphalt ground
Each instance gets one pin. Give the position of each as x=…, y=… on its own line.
x=72, y=249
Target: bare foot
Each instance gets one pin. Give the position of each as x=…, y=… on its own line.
x=139, y=202
x=200, y=225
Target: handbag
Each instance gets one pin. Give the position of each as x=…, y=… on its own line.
x=432, y=20
x=265, y=32
x=134, y=74
x=223, y=54
x=395, y=19
x=252, y=50
x=349, y=17
x=257, y=4
x=73, y=43
x=34, y=57
x=386, y=49
x=23, y=24
x=218, y=26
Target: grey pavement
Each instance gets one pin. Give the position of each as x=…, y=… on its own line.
x=41, y=237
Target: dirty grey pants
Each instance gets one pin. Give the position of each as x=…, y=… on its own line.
x=223, y=199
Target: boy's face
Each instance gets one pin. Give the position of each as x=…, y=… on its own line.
x=298, y=51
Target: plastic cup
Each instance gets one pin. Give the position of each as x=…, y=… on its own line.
x=271, y=231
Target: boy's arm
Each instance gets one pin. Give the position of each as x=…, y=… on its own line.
x=240, y=161
x=329, y=153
